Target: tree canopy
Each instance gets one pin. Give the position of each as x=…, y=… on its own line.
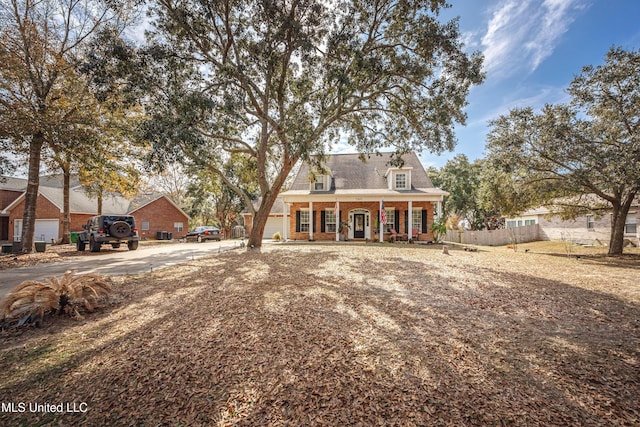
x=586, y=150
x=280, y=81
x=464, y=181
x=40, y=43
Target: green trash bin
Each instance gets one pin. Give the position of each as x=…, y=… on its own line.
x=74, y=236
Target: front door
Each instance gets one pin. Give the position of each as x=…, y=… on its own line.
x=4, y=228
x=358, y=226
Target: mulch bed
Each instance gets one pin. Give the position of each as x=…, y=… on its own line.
x=343, y=335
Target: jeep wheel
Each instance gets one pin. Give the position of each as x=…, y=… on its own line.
x=93, y=245
x=133, y=245
x=120, y=229
x=80, y=245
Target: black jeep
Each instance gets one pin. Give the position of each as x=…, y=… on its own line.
x=111, y=229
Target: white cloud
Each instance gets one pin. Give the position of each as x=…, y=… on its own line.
x=534, y=97
x=521, y=34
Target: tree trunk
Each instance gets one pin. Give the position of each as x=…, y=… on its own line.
x=618, y=219
x=262, y=214
x=100, y=203
x=259, y=222
x=31, y=196
x=66, y=216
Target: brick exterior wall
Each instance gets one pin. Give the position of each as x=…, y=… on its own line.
x=162, y=215
x=7, y=197
x=44, y=210
x=346, y=207
x=78, y=220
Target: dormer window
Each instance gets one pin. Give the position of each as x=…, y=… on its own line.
x=399, y=178
x=320, y=183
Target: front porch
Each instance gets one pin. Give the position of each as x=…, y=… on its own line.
x=358, y=220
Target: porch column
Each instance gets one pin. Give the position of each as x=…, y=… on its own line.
x=439, y=207
x=409, y=219
x=381, y=225
x=285, y=223
x=311, y=217
x=337, y=221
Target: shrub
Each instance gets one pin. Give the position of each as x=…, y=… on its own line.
x=31, y=300
x=277, y=236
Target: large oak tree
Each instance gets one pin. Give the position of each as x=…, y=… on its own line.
x=587, y=150
x=39, y=43
x=279, y=81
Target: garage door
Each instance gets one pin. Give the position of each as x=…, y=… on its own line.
x=273, y=225
x=46, y=229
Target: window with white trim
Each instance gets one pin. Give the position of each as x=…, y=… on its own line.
x=416, y=220
x=529, y=222
x=145, y=225
x=329, y=221
x=591, y=223
x=318, y=183
x=512, y=224
x=391, y=219
x=401, y=181
x=631, y=225
x=304, y=220
x=178, y=227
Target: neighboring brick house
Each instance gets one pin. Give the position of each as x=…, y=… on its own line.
x=586, y=229
x=353, y=192
x=157, y=212
x=153, y=213
x=10, y=190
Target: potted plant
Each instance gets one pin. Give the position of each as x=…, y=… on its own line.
x=439, y=229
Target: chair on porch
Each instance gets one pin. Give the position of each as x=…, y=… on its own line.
x=396, y=237
x=414, y=234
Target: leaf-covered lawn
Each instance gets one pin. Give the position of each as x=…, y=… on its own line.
x=345, y=335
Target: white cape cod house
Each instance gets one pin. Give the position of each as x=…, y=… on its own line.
x=353, y=192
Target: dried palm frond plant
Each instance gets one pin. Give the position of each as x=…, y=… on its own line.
x=31, y=300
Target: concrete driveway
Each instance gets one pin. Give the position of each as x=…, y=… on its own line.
x=143, y=260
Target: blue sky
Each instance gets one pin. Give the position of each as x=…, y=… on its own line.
x=533, y=49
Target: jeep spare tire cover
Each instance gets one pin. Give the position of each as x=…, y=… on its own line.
x=120, y=229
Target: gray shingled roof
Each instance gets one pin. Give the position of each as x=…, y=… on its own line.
x=20, y=184
x=79, y=200
x=276, y=209
x=351, y=173
x=13, y=184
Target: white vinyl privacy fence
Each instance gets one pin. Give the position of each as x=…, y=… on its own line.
x=527, y=233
